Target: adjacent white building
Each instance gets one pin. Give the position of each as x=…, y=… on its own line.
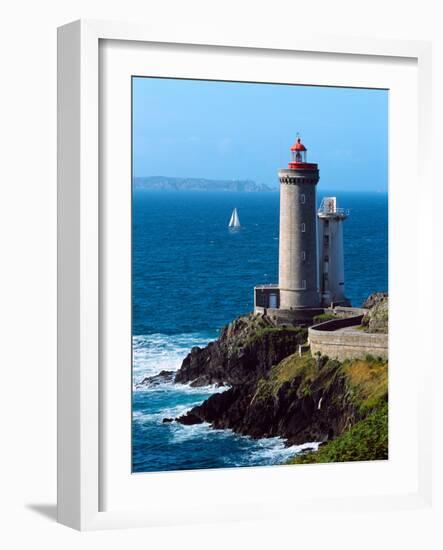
x=331, y=266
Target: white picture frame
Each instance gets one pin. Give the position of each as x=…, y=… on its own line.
x=80, y=268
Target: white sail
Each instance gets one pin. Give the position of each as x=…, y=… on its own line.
x=235, y=220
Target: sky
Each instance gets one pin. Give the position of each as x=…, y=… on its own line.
x=235, y=130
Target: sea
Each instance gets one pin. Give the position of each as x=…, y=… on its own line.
x=191, y=275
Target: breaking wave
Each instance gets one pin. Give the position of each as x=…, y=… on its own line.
x=156, y=352
x=163, y=446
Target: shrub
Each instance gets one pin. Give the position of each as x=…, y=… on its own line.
x=366, y=440
x=323, y=317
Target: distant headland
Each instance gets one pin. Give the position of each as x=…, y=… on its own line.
x=165, y=183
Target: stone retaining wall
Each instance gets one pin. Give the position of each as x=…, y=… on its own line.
x=349, y=344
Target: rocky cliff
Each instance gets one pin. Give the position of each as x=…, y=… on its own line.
x=277, y=392
x=377, y=318
x=246, y=350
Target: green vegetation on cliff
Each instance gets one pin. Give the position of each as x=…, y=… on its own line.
x=286, y=372
x=247, y=329
x=260, y=332
x=357, y=388
x=366, y=386
x=366, y=381
x=366, y=440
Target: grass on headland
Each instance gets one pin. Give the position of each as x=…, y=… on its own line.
x=245, y=331
x=287, y=370
x=366, y=379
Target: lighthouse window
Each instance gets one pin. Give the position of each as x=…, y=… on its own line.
x=303, y=227
x=303, y=284
x=302, y=198
x=303, y=255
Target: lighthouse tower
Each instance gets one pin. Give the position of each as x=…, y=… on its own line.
x=298, y=265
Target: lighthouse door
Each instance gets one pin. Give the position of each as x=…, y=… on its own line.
x=273, y=301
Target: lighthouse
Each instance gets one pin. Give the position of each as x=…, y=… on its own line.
x=298, y=266
x=311, y=259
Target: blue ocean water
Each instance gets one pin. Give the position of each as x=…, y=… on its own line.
x=191, y=276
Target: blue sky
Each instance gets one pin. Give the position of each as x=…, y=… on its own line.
x=226, y=130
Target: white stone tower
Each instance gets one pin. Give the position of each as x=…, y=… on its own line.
x=331, y=258
x=298, y=265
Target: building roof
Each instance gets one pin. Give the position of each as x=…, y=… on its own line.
x=298, y=146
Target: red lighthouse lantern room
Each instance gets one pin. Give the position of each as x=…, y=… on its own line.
x=299, y=158
x=298, y=152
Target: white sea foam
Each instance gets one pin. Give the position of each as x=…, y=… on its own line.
x=186, y=388
x=197, y=432
x=156, y=352
x=274, y=451
x=270, y=450
x=157, y=417
x=183, y=388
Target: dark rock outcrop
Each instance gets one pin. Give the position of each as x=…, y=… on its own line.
x=293, y=410
x=163, y=377
x=246, y=350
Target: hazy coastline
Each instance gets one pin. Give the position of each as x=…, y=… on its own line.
x=167, y=183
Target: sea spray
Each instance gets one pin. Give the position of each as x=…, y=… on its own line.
x=159, y=446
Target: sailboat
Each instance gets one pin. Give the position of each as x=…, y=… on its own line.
x=234, y=222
